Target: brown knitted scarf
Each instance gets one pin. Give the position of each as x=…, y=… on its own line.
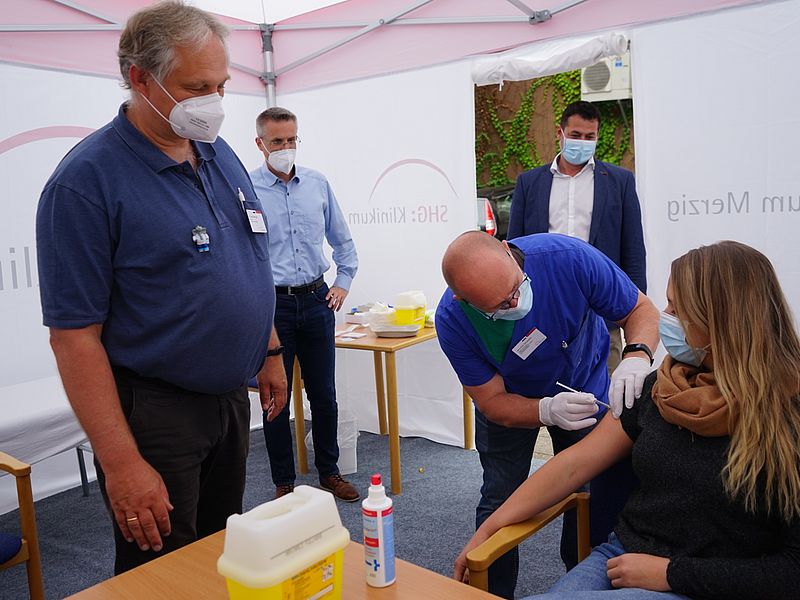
x=690, y=398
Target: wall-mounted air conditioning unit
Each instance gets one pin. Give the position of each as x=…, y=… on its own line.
x=609, y=79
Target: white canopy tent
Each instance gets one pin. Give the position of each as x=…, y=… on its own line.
x=713, y=161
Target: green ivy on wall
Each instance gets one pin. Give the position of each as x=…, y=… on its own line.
x=505, y=147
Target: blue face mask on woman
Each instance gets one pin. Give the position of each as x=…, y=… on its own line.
x=674, y=339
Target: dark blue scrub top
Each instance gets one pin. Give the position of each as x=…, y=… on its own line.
x=574, y=287
x=114, y=238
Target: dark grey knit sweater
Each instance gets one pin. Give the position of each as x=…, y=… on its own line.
x=680, y=511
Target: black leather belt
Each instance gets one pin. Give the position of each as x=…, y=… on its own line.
x=300, y=289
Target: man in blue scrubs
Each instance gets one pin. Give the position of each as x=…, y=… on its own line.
x=303, y=213
x=519, y=317
x=156, y=286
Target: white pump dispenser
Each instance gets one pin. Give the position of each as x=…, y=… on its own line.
x=376, y=510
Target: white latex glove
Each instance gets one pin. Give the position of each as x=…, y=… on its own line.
x=568, y=410
x=627, y=381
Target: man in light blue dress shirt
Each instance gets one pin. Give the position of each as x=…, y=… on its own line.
x=301, y=212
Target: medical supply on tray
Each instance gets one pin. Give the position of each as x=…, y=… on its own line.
x=410, y=308
x=289, y=548
x=357, y=318
x=381, y=315
x=359, y=314
x=395, y=331
x=378, y=515
x=430, y=316
x=405, y=319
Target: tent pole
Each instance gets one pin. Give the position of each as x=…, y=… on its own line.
x=522, y=6
x=268, y=76
x=565, y=6
x=86, y=11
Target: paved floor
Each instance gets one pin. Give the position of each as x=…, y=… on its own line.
x=544, y=445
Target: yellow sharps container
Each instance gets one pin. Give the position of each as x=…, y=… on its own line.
x=288, y=549
x=410, y=308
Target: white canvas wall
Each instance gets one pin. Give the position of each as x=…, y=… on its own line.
x=351, y=134
x=714, y=119
x=354, y=133
x=715, y=123
x=36, y=108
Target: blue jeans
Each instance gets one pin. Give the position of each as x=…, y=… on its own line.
x=588, y=581
x=506, y=454
x=306, y=326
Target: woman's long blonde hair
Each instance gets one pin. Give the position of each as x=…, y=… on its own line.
x=731, y=292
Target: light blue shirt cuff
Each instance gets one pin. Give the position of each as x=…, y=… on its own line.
x=343, y=281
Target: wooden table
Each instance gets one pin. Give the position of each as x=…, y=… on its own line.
x=191, y=573
x=386, y=389
x=386, y=392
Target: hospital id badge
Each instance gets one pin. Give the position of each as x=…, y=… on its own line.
x=529, y=343
x=257, y=223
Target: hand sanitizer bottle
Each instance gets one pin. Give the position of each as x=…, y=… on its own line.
x=376, y=510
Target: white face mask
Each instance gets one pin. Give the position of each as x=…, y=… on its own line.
x=198, y=118
x=282, y=160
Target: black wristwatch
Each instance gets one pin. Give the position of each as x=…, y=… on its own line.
x=276, y=351
x=638, y=348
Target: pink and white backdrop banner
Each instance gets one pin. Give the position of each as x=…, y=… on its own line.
x=44, y=114
x=401, y=165
x=399, y=153
x=716, y=124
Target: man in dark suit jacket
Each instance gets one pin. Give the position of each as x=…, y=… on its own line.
x=582, y=197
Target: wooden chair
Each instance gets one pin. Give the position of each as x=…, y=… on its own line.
x=29, y=550
x=481, y=558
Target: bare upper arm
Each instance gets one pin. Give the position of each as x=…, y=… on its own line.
x=642, y=302
x=62, y=339
x=605, y=446
x=482, y=394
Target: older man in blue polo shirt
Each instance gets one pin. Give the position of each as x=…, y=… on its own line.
x=156, y=286
x=302, y=213
x=519, y=319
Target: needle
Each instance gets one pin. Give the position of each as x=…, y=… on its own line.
x=569, y=389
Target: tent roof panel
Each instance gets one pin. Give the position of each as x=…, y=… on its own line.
x=369, y=10
x=93, y=50
x=393, y=48
x=38, y=12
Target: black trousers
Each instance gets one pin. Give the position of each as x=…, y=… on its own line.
x=198, y=443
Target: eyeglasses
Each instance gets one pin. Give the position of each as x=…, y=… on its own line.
x=509, y=302
x=278, y=143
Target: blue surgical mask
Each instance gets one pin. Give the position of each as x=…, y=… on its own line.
x=674, y=339
x=523, y=307
x=577, y=152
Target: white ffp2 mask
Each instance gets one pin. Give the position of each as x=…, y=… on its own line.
x=282, y=160
x=197, y=118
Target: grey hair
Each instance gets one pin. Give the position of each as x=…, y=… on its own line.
x=274, y=113
x=152, y=34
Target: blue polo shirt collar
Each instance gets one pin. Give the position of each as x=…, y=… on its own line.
x=270, y=179
x=146, y=150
